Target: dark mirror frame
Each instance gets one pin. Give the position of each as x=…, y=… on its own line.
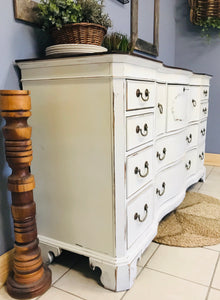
x=139, y=44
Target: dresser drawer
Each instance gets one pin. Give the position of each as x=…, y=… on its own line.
x=194, y=104
x=161, y=108
x=191, y=138
x=202, y=132
x=166, y=152
x=169, y=183
x=204, y=92
x=139, y=130
x=139, y=170
x=139, y=215
x=200, y=157
x=140, y=94
x=177, y=106
x=191, y=162
x=204, y=110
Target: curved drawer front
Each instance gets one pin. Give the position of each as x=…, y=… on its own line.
x=169, y=149
x=202, y=132
x=194, y=104
x=139, y=130
x=191, y=162
x=204, y=92
x=161, y=108
x=191, y=136
x=169, y=183
x=139, y=215
x=200, y=157
x=138, y=170
x=204, y=110
x=177, y=106
x=140, y=94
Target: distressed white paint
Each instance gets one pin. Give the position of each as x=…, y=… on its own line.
x=85, y=113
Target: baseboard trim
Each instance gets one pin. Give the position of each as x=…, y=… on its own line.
x=5, y=266
x=212, y=159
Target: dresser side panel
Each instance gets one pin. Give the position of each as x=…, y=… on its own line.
x=72, y=143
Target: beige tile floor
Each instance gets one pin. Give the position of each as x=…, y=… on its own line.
x=164, y=273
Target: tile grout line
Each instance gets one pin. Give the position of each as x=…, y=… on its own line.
x=142, y=268
x=201, y=284
x=69, y=293
x=60, y=277
x=206, y=247
x=213, y=275
x=158, y=245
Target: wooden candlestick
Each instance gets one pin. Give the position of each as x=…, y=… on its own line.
x=30, y=277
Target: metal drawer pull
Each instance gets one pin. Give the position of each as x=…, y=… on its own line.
x=138, y=217
x=189, y=138
x=188, y=166
x=164, y=154
x=194, y=102
x=160, y=106
x=143, y=132
x=138, y=171
x=205, y=110
x=203, y=131
x=146, y=93
x=201, y=156
x=159, y=192
x=205, y=92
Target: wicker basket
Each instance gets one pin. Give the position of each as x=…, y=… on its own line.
x=79, y=33
x=202, y=9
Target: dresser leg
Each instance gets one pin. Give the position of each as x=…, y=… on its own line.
x=116, y=277
x=203, y=178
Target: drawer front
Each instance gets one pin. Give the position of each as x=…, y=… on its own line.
x=161, y=108
x=200, y=157
x=140, y=94
x=166, y=152
x=139, y=215
x=191, y=138
x=139, y=130
x=177, y=106
x=194, y=104
x=204, y=92
x=202, y=132
x=169, y=182
x=204, y=110
x=191, y=162
x=138, y=170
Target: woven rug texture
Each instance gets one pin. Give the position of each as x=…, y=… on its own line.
x=194, y=223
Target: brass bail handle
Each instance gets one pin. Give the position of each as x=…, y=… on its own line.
x=161, y=157
x=159, y=192
x=138, y=217
x=143, y=132
x=138, y=171
x=140, y=94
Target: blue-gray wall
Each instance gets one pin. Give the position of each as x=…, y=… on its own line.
x=200, y=55
x=17, y=41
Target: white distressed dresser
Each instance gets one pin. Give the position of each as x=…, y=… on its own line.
x=117, y=140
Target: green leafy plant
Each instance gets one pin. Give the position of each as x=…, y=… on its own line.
x=208, y=24
x=92, y=12
x=117, y=42
x=59, y=12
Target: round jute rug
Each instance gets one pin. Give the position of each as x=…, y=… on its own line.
x=194, y=223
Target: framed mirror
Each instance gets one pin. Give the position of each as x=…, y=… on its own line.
x=145, y=26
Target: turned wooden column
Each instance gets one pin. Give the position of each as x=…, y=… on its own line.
x=30, y=278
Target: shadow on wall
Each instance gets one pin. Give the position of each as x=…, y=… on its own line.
x=6, y=223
